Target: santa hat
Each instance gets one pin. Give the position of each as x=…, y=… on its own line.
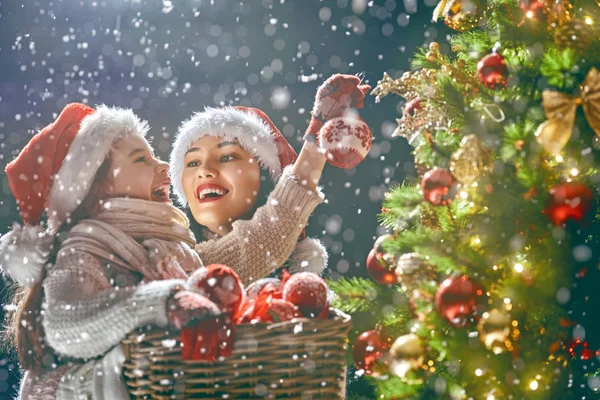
x=54, y=173
x=259, y=136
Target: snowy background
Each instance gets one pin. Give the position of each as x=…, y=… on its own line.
x=167, y=59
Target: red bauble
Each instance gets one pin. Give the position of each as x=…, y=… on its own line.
x=255, y=287
x=347, y=141
x=413, y=106
x=221, y=284
x=459, y=299
x=437, y=186
x=308, y=291
x=382, y=265
x=492, y=71
x=369, y=351
x=569, y=201
x=280, y=310
x=325, y=313
x=533, y=9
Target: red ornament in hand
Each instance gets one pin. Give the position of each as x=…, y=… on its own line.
x=382, y=265
x=347, y=141
x=221, y=284
x=369, y=351
x=492, y=71
x=569, y=201
x=437, y=186
x=308, y=291
x=459, y=299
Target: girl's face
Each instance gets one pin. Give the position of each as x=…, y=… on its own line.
x=221, y=181
x=136, y=173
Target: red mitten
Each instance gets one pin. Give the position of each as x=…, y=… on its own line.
x=336, y=95
x=184, y=307
x=347, y=141
x=221, y=284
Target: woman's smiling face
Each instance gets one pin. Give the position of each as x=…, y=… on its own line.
x=221, y=181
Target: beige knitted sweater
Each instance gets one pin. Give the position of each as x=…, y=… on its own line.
x=93, y=295
x=257, y=247
x=254, y=248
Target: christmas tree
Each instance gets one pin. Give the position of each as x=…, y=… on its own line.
x=486, y=285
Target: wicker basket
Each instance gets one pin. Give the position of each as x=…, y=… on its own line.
x=303, y=359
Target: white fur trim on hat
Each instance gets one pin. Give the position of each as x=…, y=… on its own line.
x=229, y=123
x=89, y=149
x=309, y=256
x=23, y=253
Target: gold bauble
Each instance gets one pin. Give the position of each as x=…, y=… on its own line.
x=412, y=269
x=470, y=161
x=461, y=15
x=494, y=330
x=575, y=34
x=407, y=353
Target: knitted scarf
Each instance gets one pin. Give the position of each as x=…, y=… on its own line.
x=134, y=234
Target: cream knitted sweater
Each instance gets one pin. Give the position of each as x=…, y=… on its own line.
x=93, y=295
x=257, y=247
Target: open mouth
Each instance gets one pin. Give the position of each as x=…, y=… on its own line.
x=161, y=193
x=210, y=192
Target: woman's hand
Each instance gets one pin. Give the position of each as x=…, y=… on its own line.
x=309, y=165
x=336, y=95
x=185, y=308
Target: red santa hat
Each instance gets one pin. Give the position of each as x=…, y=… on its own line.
x=54, y=173
x=259, y=136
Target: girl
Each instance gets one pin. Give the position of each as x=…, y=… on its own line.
x=110, y=220
x=216, y=165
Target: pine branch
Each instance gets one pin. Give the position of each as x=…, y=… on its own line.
x=560, y=67
x=356, y=294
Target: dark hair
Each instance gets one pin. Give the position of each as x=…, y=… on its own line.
x=23, y=326
x=265, y=189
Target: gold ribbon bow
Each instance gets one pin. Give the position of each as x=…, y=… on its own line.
x=560, y=109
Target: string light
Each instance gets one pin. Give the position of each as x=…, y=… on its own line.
x=574, y=172
x=464, y=195
x=478, y=372
x=588, y=20
x=559, y=159
x=518, y=267
x=533, y=385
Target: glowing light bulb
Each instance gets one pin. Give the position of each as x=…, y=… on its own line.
x=559, y=159
x=519, y=267
x=533, y=385
x=574, y=172
x=478, y=372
